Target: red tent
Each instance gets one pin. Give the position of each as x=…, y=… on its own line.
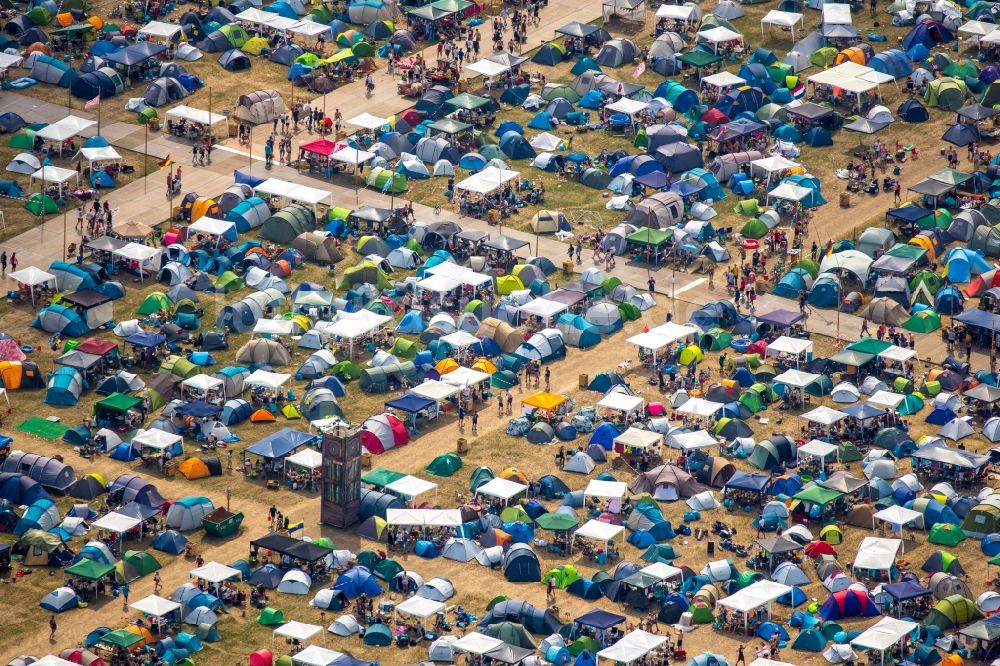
x=321, y=146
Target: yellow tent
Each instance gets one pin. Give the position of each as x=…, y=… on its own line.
x=446, y=365
x=255, y=45
x=484, y=365
x=544, y=401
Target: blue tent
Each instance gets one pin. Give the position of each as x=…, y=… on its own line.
x=520, y=565
x=792, y=283
x=593, y=99
x=59, y=600
x=929, y=33
x=378, y=635
x=508, y=126
x=64, y=387
x=788, y=133
x=280, y=444
x=825, y=292
x=744, y=98
x=515, y=95
x=61, y=319
x=234, y=60
x=552, y=487
x=793, y=598
x=516, y=147
x=949, y=300
x=961, y=134
x=818, y=137
x=585, y=588
x=235, y=411
x=757, y=76
x=912, y=111
x=990, y=544
x=892, y=62
x=641, y=539
x=541, y=121
x=170, y=541
x=357, y=581
x=519, y=532
x=961, y=264
x=604, y=436
x=123, y=452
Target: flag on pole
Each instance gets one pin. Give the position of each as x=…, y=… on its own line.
x=165, y=163
x=94, y=103
x=296, y=526
x=639, y=69
x=621, y=89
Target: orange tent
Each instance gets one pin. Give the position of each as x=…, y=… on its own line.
x=262, y=416
x=37, y=47
x=147, y=637
x=514, y=474
x=852, y=54
x=446, y=365
x=96, y=21
x=64, y=19
x=194, y=468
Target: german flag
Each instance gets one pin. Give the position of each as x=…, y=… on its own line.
x=165, y=163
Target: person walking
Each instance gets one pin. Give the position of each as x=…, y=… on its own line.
x=157, y=582
x=500, y=405
x=740, y=657
x=510, y=401
x=550, y=591
x=461, y=418
x=548, y=377
x=3, y=262
x=650, y=284
x=897, y=193
x=13, y=261
x=52, y=628
x=475, y=422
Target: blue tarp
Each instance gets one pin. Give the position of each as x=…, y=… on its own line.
x=280, y=444
x=599, y=619
x=410, y=403
x=748, y=481
x=135, y=54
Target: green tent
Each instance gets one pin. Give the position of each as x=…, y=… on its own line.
x=136, y=564
x=503, y=379
x=809, y=266
x=818, y=495
x=481, y=475
x=847, y=451
x=515, y=514
x=952, y=612
x=715, y=339
x=403, y=348
x=563, y=575
x=387, y=180
x=89, y=569
x=346, y=370
x=363, y=50
x=179, y=367
x=322, y=14
x=155, y=302
x=584, y=643
x=116, y=404
x=871, y=346
x=495, y=600
x=924, y=321
x=946, y=534
x=144, y=116
x=755, y=228
x=911, y=404
x=512, y=633
x=660, y=552
x=120, y=638
x=270, y=616
x=556, y=522
x=380, y=477
x=228, y=281
x=820, y=387
x=752, y=401
x=309, y=60
x=365, y=271
x=387, y=569
x=629, y=312
x=236, y=35
x=810, y=640
x=649, y=237
x=610, y=283
x=379, y=308
x=823, y=57
x=445, y=465
x=830, y=629
x=40, y=16
x=368, y=559
x=290, y=412
x=24, y=140
x=701, y=613
x=41, y=204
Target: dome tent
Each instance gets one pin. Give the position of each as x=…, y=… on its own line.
x=260, y=106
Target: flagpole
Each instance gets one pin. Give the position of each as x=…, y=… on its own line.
x=145, y=158
x=98, y=115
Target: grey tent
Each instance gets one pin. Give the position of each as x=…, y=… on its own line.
x=50, y=70
x=666, y=45
x=875, y=239
x=187, y=52
x=679, y=157
x=49, y=472
x=286, y=54
x=431, y=150
x=234, y=60
x=241, y=316
x=260, y=106
x=986, y=240
x=965, y=223
x=249, y=214
x=659, y=211
x=233, y=195
x=164, y=90
x=321, y=249
x=617, y=52
x=285, y=225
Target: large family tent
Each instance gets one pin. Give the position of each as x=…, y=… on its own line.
x=47, y=69
x=286, y=224
x=260, y=106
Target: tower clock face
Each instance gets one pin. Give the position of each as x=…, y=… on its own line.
x=335, y=448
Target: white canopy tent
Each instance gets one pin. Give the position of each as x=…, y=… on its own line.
x=118, y=523
x=53, y=174
x=310, y=196
x=817, y=450
x=463, y=274
x=884, y=634
x=266, y=379
x=255, y=16
x=719, y=35
x=770, y=166
x=65, y=129
x=459, y=339
x=637, y=438
x=898, y=354
x=202, y=383
x=306, y=458
x=622, y=402
x=687, y=14
x=836, y=14
x=886, y=399
x=502, y=489
x=722, y=79
x=662, y=571
x=760, y=594
x=211, y=226
x=543, y=308
x=439, y=284
x=309, y=28
x=789, y=192
x=824, y=416
x=316, y=655
x=796, y=378
x=411, y=487
x=160, y=30
x=419, y=607
x=145, y=257
x=33, y=277
x=976, y=29
x=487, y=181
x=280, y=23
x=896, y=516
x=278, y=327
x=435, y=390
x=100, y=154
x=877, y=554
x=368, y=121
x=463, y=377
x=636, y=644
x=352, y=156
x=688, y=441
x=213, y=572
x=424, y=517
x=8, y=60
x=487, y=68
x=156, y=439
x=599, y=531
x=476, y=643
x=297, y=631
x=795, y=347
x=698, y=407
x=155, y=606
x=784, y=20
x=605, y=489
x=193, y=115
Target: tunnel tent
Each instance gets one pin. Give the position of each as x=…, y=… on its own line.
x=249, y=214
x=47, y=69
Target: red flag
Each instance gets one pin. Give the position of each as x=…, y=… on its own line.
x=639, y=70
x=621, y=89
x=94, y=103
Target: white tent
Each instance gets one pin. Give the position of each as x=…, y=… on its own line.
x=193, y=115
x=254, y=15
x=897, y=516
x=796, y=378
x=789, y=192
x=503, y=489
x=722, y=79
x=762, y=593
x=818, y=450
x=464, y=377
x=459, y=339
x=719, y=35
x=886, y=399
x=118, y=523
x=877, y=554
x=477, y=643
x=785, y=345
x=662, y=571
x=32, y=276
x=315, y=655
x=487, y=68
x=637, y=438
x=622, y=402
x=599, y=531
x=211, y=226
x=160, y=30
x=368, y=121
x=836, y=14
x=433, y=389
x=688, y=441
x=895, y=353
x=54, y=174
x=155, y=606
x=543, y=308
x=298, y=631
x=144, y=256
x=202, y=383
x=309, y=28
x=487, y=181
x=884, y=634
x=352, y=156
x=411, y=486
x=698, y=407
x=824, y=416
x=213, y=572
x=782, y=20
x=686, y=13
x=265, y=379
x=310, y=196
x=636, y=644
x=419, y=607
x=280, y=327
x=307, y=458
x=605, y=489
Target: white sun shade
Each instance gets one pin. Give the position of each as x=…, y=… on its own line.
x=636, y=644
x=271, y=380
x=419, y=607
x=211, y=226
x=202, y=383
x=699, y=407
x=433, y=389
x=352, y=156
x=897, y=516
x=638, y=438
x=651, y=341
x=886, y=399
x=157, y=439
x=254, y=15
x=501, y=488
x=759, y=594
x=723, y=79
x=787, y=345
x=487, y=68
x=194, y=115
x=309, y=29
x=836, y=14
x=293, y=191
x=824, y=416
x=160, y=29
x=31, y=276
x=316, y=655
x=476, y=643
x=621, y=402
x=687, y=441
x=116, y=522
x=54, y=174
x=411, y=486
x=796, y=378
x=213, y=572
x=464, y=377
x=137, y=252
x=543, y=308
x=155, y=605
x=884, y=634
x=459, y=339
x=606, y=489
x=817, y=449
x=877, y=554
x=662, y=571
x=895, y=353
x=298, y=631
x=308, y=458
x=367, y=121
x=280, y=327
x=595, y=529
